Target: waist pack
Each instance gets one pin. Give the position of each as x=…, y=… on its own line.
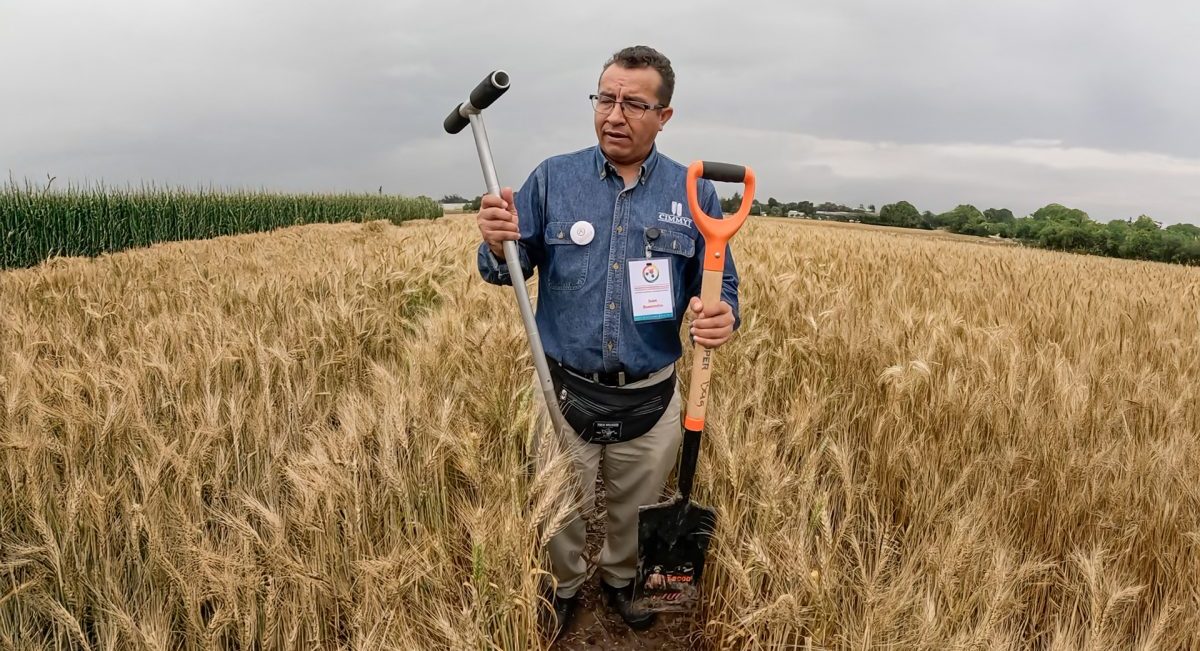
x=603, y=414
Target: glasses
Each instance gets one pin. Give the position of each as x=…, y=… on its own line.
x=632, y=109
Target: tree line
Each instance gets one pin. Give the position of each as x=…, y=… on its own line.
x=1053, y=227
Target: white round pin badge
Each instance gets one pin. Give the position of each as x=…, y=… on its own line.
x=582, y=233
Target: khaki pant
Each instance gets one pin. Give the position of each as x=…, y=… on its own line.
x=634, y=473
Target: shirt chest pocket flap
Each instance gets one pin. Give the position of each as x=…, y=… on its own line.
x=567, y=262
x=675, y=242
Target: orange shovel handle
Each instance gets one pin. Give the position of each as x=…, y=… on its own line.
x=718, y=232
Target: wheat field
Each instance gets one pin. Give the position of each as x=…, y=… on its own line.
x=320, y=438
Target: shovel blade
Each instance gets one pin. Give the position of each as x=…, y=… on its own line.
x=673, y=540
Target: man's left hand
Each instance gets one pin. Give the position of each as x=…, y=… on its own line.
x=713, y=327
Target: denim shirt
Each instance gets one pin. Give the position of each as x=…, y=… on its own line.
x=584, y=313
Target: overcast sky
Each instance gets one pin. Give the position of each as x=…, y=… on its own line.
x=1012, y=103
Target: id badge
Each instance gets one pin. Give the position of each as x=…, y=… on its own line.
x=650, y=290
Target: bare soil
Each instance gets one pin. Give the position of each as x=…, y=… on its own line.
x=595, y=627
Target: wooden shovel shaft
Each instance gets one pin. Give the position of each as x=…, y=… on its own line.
x=717, y=233
x=702, y=357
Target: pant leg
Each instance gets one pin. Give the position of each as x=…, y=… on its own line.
x=566, y=547
x=634, y=474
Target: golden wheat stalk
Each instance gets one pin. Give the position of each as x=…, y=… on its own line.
x=321, y=438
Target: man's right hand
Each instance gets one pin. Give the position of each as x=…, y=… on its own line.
x=497, y=220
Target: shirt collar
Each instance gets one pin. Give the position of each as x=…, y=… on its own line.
x=604, y=166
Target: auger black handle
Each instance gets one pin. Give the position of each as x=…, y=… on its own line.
x=455, y=122
x=488, y=91
x=723, y=172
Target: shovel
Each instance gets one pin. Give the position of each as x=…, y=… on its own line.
x=673, y=536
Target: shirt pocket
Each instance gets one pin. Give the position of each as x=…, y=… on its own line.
x=674, y=242
x=566, y=262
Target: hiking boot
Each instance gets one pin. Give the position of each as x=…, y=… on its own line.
x=620, y=600
x=564, y=612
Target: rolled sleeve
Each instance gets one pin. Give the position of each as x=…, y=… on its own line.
x=495, y=270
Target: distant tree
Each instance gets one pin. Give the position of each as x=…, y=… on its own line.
x=730, y=205
x=1068, y=229
x=1067, y=236
x=1144, y=223
x=803, y=207
x=829, y=206
x=1030, y=228
x=1183, y=230
x=1111, y=236
x=1189, y=253
x=1141, y=244
x=474, y=204
x=901, y=213
x=453, y=198
x=1139, y=239
x=1059, y=213
x=965, y=219
x=1003, y=230
x=998, y=216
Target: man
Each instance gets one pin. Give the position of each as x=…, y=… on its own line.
x=618, y=256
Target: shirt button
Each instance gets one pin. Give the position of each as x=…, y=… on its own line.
x=616, y=265
x=620, y=229
x=610, y=346
x=612, y=305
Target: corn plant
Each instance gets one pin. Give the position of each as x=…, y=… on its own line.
x=36, y=224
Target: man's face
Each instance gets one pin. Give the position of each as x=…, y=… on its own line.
x=628, y=140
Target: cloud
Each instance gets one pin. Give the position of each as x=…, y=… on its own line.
x=1012, y=103
x=1037, y=142
x=1106, y=184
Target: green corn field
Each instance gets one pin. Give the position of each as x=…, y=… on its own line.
x=36, y=224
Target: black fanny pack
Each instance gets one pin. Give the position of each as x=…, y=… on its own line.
x=603, y=414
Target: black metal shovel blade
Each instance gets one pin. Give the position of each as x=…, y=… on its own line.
x=673, y=539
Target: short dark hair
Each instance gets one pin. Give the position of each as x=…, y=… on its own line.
x=644, y=56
